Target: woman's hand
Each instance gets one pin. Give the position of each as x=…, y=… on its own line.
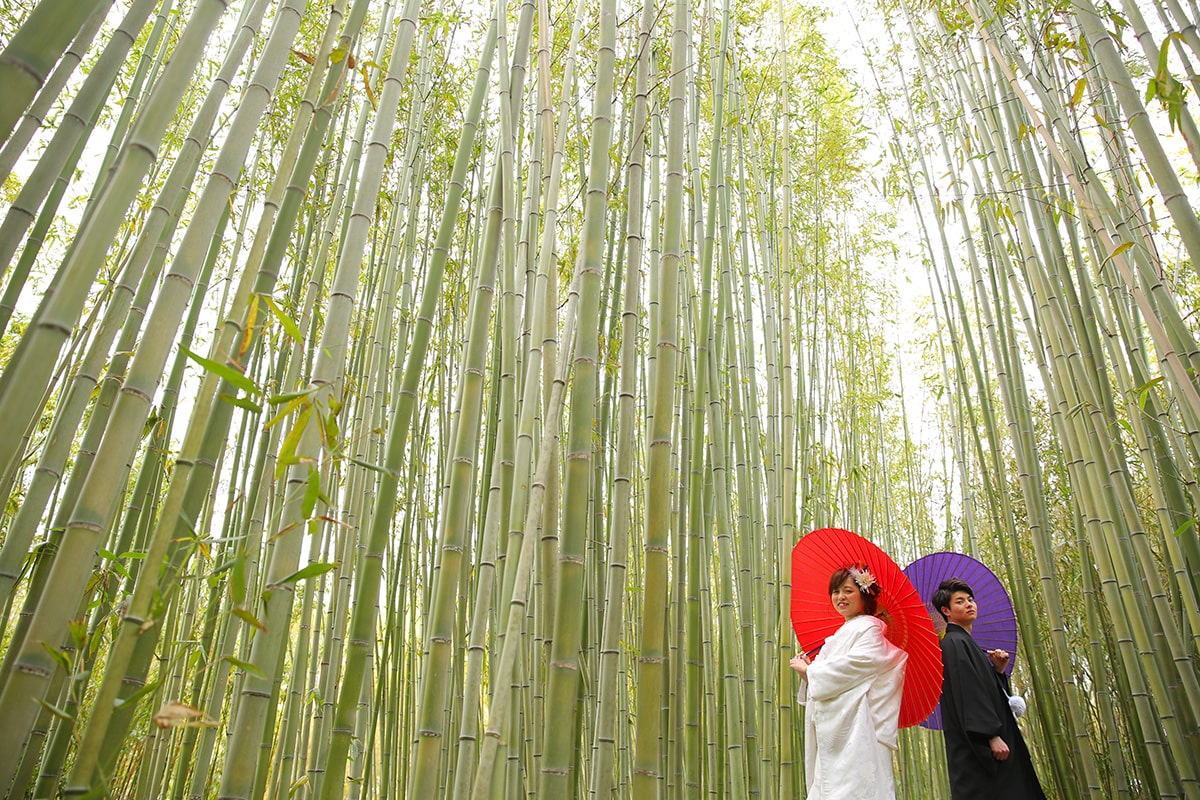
x=800, y=663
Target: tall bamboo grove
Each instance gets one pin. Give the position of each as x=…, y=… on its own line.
x=412, y=399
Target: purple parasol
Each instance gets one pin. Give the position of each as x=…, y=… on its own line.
x=996, y=626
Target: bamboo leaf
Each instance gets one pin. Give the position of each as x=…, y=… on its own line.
x=234, y=376
x=151, y=421
x=244, y=665
x=79, y=632
x=241, y=402
x=1164, y=54
x=58, y=655
x=55, y=710
x=289, y=325
x=367, y=465
x=311, y=571
x=276, y=399
x=312, y=493
x=286, y=411
x=237, y=579
x=245, y=615
x=287, y=453
x=1143, y=391
x=133, y=699
x=1185, y=527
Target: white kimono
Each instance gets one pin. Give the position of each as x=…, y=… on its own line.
x=852, y=707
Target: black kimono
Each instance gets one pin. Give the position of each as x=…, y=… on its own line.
x=974, y=709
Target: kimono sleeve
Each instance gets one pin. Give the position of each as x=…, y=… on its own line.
x=866, y=655
x=973, y=688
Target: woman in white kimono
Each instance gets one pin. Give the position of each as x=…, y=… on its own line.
x=851, y=694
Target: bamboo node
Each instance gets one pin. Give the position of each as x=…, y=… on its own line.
x=136, y=392
x=31, y=669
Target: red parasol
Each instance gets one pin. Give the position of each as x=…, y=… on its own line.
x=821, y=553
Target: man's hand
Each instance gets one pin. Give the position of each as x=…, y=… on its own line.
x=999, y=659
x=999, y=748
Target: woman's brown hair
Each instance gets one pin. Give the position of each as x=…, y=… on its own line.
x=870, y=595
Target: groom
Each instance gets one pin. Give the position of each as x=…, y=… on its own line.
x=985, y=753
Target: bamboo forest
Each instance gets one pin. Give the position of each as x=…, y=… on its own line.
x=423, y=398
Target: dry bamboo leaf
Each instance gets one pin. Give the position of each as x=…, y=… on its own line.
x=174, y=714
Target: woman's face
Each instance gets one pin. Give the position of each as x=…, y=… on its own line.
x=847, y=600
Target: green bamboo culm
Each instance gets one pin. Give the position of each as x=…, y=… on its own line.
x=34, y=49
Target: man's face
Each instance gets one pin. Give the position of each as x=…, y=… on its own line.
x=962, y=610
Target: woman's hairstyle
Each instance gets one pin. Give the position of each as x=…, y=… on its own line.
x=863, y=580
x=946, y=590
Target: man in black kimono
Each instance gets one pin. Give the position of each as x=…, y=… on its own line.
x=985, y=753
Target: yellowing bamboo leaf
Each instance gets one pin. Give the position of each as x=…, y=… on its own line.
x=248, y=333
x=1121, y=248
x=1077, y=96
x=283, y=530
x=248, y=617
x=370, y=91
